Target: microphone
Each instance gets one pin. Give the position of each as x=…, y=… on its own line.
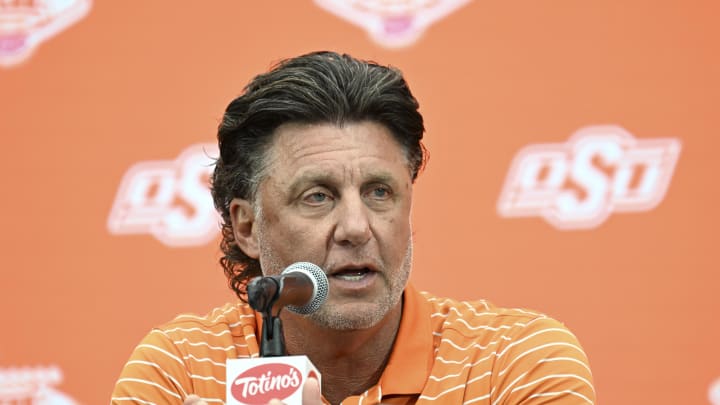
x=302, y=287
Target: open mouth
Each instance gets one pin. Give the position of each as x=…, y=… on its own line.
x=352, y=274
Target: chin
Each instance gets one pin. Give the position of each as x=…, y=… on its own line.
x=354, y=318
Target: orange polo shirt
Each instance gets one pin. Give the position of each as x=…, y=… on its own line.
x=446, y=351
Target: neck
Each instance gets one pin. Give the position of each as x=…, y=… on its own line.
x=350, y=361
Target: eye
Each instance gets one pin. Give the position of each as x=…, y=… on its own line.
x=316, y=198
x=380, y=192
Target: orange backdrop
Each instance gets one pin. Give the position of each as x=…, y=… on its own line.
x=120, y=84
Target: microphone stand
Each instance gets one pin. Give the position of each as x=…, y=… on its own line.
x=272, y=338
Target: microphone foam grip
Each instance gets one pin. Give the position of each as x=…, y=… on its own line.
x=320, y=283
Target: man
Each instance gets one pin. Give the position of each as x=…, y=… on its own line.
x=317, y=163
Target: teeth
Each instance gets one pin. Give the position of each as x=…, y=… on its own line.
x=351, y=276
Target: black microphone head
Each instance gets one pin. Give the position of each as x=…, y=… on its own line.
x=320, y=284
x=262, y=293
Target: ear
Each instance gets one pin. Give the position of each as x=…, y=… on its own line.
x=243, y=221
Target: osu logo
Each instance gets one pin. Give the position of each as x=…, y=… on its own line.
x=265, y=382
x=169, y=199
x=392, y=23
x=32, y=386
x=601, y=169
x=24, y=24
x=714, y=392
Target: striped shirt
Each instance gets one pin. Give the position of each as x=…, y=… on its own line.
x=446, y=351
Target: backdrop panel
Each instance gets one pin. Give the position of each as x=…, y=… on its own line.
x=573, y=146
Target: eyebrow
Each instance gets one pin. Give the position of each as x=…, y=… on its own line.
x=309, y=177
x=322, y=177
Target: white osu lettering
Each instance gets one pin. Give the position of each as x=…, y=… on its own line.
x=267, y=382
x=600, y=170
x=714, y=392
x=32, y=385
x=168, y=199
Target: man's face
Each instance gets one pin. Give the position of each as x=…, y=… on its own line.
x=339, y=198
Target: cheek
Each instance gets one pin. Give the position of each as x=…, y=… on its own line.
x=394, y=232
x=297, y=240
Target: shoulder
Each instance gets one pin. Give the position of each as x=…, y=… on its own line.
x=226, y=331
x=221, y=330
x=520, y=352
x=480, y=317
x=504, y=329
x=228, y=319
x=187, y=355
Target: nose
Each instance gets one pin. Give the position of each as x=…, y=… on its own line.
x=353, y=223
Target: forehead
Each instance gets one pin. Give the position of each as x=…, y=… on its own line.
x=296, y=145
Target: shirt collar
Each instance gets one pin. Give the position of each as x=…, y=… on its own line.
x=411, y=359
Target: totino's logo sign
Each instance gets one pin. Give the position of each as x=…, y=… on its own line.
x=25, y=24
x=265, y=382
x=578, y=184
x=169, y=199
x=392, y=23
